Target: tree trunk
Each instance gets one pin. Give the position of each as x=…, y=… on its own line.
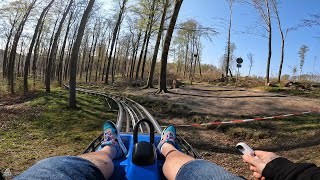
x=92, y=58
x=14, y=47
x=131, y=60
x=114, y=35
x=42, y=63
x=5, y=55
x=114, y=57
x=134, y=55
x=281, y=61
x=151, y=22
x=282, y=39
x=20, y=58
x=229, y=39
x=50, y=47
x=124, y=68
x=269, y=44
x=35, y=35
x=90, y=54
x=60, y=65
x=35, y=56
x=98, y=63
x=164, y=57
x=145, y=54
x=186, y=59
x=106, y=59
x=141, y=52
x=55, y=47
x=198, y=57
x=84, y=53
x=88, y=64
x=116, y=63
x=192, y=59
x=74, y=56
x=66, y=69
x=135, y=59
x=200, y=67
x=230, y=73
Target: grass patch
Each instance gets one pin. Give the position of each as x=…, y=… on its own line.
x=18, y=87
x=294, y=129
x=48, y=127
x=246, y=82
x=314, y=93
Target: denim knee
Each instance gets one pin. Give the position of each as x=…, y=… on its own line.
x=62, y=167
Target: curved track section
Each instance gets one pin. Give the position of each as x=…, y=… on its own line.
x=129, y=113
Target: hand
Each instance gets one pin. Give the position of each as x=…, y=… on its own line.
x=258, y=164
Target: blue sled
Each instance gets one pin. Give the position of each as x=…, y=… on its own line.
x=143, y=160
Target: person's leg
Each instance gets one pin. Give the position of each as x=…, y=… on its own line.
x=102, y=159
x=181, y=166
x=95, y=165
x=174, y=160
x=112, y=148
x=62, y=167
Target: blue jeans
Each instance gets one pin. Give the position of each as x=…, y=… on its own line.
x=200, y=170
x=71, y=167
x=62, y=167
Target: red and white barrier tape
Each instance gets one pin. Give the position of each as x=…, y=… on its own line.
x=248, y=120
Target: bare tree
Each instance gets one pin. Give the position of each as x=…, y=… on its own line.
x=302, y=54
x=283, y=37
x=75, y=53
x=231, y=2
x=54, y=48
x=166, y=47
x=223, y=59
x=36, y=51
x=84, y=54
x=135, y=48
x=313, y=67
x=20, y=59
x=157, y=45
x=151, y=22
x=5, y=54
x=60, y=64
x=294, y=71
x=250, y=58
x=35, y=35
x=264, y=11
x=114, y=36
x=17, y=36
x=106, y=55
x=92, y=48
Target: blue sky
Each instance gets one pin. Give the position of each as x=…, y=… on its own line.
x=291, y=13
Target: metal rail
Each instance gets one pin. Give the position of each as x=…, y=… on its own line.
x=129, y=110
x=126, y=107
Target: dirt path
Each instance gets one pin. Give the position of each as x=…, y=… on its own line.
x=227, y=102
x=296, y=139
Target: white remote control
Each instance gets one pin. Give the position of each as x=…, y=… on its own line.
x=245, y=149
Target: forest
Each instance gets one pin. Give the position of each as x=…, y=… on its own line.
x=57, y=57
x=53, y=41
